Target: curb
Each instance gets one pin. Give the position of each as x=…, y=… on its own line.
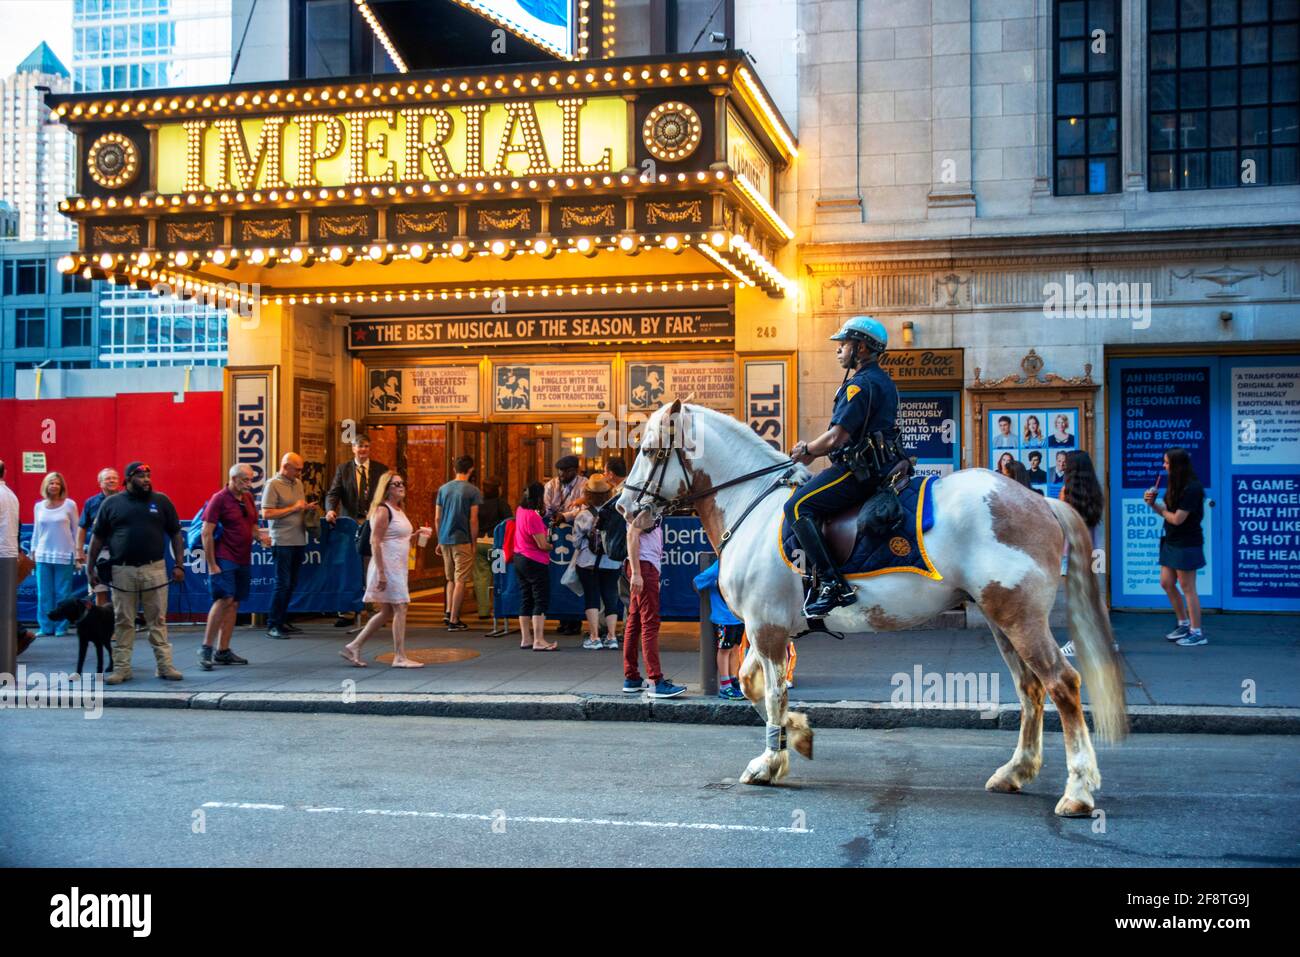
x=862, y=715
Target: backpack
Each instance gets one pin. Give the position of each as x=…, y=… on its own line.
x=595, y=544
x=363, y=534
x=613, y=532
x=194, y=534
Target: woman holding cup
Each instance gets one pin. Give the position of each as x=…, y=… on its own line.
x=390, y=546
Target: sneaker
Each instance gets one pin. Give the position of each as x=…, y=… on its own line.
x=275, y=632
x=666, y=689
x=1182, y=631
x=610, y=643
x=634, y=685
x=593, y=644
x=205, y=657
x=1067, y=649
x=731, y=693
x=227, y=656
x=457, y=626
x=1192, y=639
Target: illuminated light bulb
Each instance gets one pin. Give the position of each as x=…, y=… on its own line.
x=182, y=259
x=297, y=255
x=672, y=243
x=257, y=257
x=458, y=249
x=66, y=264
x=627, y=243
x=375, y=252
x=718, y=240
x=143, y=260
x=219, y=257
x=336, y=254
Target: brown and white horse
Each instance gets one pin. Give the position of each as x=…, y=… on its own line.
x=993, y=541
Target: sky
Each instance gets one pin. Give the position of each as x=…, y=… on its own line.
x=28, y=22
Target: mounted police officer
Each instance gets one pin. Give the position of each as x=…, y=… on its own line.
x=862, y=444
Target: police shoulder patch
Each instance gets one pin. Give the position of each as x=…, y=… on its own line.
x=851, y=391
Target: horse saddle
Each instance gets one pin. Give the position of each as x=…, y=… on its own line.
x=883, y=534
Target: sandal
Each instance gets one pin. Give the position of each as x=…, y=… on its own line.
x=551, y=647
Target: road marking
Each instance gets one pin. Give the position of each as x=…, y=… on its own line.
x=492, y=818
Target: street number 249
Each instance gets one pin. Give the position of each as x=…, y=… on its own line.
x=766, y=332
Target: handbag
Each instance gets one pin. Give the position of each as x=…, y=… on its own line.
x=570, y=579
x=25, y=565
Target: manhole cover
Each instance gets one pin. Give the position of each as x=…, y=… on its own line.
x=433, y=656
x=718, y=786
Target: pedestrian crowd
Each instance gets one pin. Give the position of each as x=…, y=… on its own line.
x=124, y=532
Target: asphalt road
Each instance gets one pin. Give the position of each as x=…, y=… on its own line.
x=192, y=788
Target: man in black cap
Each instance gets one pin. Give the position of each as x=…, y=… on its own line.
x=136, y=525
x=561, y=501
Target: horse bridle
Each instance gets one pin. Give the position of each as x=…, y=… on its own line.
x=660, y=456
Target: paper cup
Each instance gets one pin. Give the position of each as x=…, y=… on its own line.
x=424, y=537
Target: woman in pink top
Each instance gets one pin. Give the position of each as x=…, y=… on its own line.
x=533, y=568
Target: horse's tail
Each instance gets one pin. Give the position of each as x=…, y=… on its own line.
x=1090, y=629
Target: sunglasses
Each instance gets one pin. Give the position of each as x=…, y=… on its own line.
x=397, y=485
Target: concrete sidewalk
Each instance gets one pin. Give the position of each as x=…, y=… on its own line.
x=846, y=683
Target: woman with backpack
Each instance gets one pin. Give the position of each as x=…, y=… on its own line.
x=532, y=565
x=390, y=549
x=597, y=572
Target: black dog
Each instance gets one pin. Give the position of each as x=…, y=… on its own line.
x=94, y=626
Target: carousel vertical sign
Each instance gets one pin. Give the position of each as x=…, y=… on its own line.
x=250, y=424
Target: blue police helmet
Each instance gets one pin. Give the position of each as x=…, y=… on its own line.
x=867, y=329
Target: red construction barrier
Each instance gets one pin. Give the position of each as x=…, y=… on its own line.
x=181, y=440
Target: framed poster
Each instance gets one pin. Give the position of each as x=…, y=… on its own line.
x=252, y=411
x=707, y=382
x=1034, y=419
x=768, y=401
x=929, y=425
x=313, y=434
x=552, y=387
x=393, y=389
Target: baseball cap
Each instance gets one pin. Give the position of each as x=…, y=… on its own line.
x=133, y=467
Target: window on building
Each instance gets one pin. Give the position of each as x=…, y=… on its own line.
x=1223, y=93
x=693, y=21
x=24, y=277
x=327, y=37
x=29, y=328
x=77, y=327
x=1086, y=86
x=76, y=283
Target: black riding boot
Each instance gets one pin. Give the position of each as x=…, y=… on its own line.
x=832, y=590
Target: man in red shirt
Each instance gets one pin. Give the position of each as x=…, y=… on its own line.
x=229, y=559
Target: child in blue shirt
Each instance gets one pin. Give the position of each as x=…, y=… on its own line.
x=727, y=629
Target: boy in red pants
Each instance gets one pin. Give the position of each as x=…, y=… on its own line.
x=645, y=552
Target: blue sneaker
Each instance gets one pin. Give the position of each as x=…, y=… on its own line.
x=634, y=685
x=1192, y=639
x=1182, y=631
x=666, y=689
x=731, y=693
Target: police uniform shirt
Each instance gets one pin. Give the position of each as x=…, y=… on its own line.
x=867, y=402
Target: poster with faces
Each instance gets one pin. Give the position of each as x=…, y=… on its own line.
x=1036, y=438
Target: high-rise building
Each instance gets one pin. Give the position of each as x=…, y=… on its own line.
x=35, y=153
x=145, y=44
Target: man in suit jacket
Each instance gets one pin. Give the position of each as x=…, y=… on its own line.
x=350, y=494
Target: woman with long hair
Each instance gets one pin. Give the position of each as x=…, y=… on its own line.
x=1004, y=462
x=390, y=549
x=54, y=549
x=1018, y=473
x=1033, y=434
x=1182, y=544
x=598, y=573
x=1081, y=489
x=532, y=565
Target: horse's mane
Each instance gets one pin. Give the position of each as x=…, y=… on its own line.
x=738, y=432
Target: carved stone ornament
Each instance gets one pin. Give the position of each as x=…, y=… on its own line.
x=113, y=161
x=1032, y=366
x=671, y=131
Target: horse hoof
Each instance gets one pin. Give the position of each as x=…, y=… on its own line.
x=749, y=777
x=1069, y=807
x=1002, y=783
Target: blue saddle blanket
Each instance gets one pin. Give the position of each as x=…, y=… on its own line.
x=902, y=550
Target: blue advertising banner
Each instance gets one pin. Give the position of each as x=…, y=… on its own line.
x=684, y=543
x=1159, y=408
x=1239, y=418
x=330, y=579
x=928, y=422
x=1266, y=536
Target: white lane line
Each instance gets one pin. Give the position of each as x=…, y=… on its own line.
x=492, y=818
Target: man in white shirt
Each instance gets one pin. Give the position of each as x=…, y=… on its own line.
x=9, y=518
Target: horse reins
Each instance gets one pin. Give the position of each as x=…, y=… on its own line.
x=659, y=471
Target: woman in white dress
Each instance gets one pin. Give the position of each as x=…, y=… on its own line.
x=390, y=547
x=54, y=533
